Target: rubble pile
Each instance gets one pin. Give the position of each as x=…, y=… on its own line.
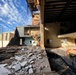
x=27, y=60
x=7, y=52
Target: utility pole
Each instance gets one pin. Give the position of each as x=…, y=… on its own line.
x=2, y=37
x=1, y=32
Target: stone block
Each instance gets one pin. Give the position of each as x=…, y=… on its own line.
x=17, y=67
x=30, y=54
x=30, y=71
x=24, y=63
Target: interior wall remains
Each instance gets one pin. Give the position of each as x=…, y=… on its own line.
x=51, y=35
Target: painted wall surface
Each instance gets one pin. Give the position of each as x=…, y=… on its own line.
x=29, y=31
x=35, y=33
x=20, y=31
x=5, y=43
x=27, y=41
x=51, y=35
x=7, y=36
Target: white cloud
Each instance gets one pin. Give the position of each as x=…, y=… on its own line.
x=4, y=21
x=9, y=10
x=9, y=22
x=3, y=1
x=5, y=9
x=17, y=3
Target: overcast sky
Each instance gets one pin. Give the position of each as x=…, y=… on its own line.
x=14, y=13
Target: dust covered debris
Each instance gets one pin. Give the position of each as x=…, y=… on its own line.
x=27, y=60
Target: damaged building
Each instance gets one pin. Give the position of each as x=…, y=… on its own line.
x=41, y=48
x=57, y=26
x=57, y=19
x=29, y=35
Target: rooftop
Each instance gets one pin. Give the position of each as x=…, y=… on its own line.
x=28, y=26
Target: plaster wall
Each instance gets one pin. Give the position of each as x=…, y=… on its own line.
x=51, y=35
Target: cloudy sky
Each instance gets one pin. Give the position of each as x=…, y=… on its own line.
x=14, y=13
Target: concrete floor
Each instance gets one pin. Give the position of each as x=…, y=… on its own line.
x=59, y=51
x=62, y=52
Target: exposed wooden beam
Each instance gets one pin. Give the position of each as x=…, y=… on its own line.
x=49, y=20
x=56, y=3
x=64, y=11
x=66, y=6
x=72, y=5
x=55, y=9
x=52, y=10
x=72, y=17
x=47, y=8
x=69, y=15
x=70, y=10
x=50, y=13
x=74, y=2
x=47, y=1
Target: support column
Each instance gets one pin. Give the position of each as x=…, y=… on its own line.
x=42, y=23
x=42, y=35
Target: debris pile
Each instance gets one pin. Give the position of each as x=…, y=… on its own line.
x=7, y=52
x=27, y=60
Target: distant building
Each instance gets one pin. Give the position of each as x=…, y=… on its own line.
x=29, y=35
x=5, y=38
